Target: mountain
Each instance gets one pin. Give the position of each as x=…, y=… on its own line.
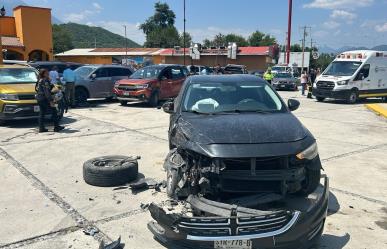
x=380, y=48
x=327, y=50
x=10, y=4
x=84, y=36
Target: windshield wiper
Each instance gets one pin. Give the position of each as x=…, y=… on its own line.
x=196, y=112
x=244, y=111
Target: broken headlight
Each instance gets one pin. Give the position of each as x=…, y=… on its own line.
x=309, y=153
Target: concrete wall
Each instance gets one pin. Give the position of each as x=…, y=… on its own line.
x=252, y=62
x=33, y=27
x=7, y=26
x=86, y=59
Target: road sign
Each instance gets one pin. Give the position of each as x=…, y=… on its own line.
x=315, y=55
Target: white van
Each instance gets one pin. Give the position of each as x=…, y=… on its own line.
x=353, y=75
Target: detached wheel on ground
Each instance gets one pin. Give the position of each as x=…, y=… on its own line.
x=81, y=95
x=320, y=99
x=154, y=99
x=109, y=171
x=311, y=182
x=123, y=102
x=352, y=97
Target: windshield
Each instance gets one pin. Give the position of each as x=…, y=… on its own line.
x=84, y=72
x=17, y=75
x=283, y=75
x=235, y=97
x=342, y=68
x=147, y=73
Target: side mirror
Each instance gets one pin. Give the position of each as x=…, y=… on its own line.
x=293, y=104
x=93, y=76
x=169, y=107
x=362, y=76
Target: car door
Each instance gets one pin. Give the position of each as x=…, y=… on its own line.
x=99, y=84
x=166, y=83
x=178, y=78
x=363, y=77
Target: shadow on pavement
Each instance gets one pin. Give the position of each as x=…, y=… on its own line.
x=333, y=204
x=334, y=242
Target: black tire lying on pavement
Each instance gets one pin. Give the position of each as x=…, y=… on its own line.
x=109, y=171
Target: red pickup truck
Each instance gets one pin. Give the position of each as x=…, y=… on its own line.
x=151, y=84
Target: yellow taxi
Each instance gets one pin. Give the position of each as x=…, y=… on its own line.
x=17, y=92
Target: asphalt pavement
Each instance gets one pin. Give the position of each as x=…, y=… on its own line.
x=44, y=200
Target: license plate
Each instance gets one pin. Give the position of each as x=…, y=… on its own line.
x=233, y=244
x=36, y=108
x=282, y=85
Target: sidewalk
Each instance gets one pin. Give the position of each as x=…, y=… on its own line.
x=379, y=109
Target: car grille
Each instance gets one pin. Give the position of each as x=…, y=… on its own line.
x=127, y=87
x=26, y=96
x=325, y=85
x=233, y=226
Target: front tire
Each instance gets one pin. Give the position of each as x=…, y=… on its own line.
x=311, y=182
x=123, y=102
x=320, y=99
x=353, y=97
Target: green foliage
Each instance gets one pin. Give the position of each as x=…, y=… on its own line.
x=257, y=39
x=323, y=61
x=162, y=38
x=240, y=40
x=83, y=36
x=62, y=39
x=188, y=40
x=159, y=28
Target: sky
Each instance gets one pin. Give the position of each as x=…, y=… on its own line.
x=333, y=23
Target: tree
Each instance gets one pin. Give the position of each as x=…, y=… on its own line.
x=207, y=43
x=188, y=40
x=268, y=41
x=219, y=40
x=162, y=37
x=295, y=48
x=62, y=39
x=258, y=38
x=240, y=40
x=159, y=28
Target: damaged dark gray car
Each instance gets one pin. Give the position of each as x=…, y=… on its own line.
x=248, y=170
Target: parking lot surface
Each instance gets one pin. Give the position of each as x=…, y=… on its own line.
x=44, y=198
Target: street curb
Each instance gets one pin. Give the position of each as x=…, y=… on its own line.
x=378, y=109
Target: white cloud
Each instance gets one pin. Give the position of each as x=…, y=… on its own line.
x=335, y=4
x=83, y=15
x=321, y=33
x=97, y=6
x=381, y=27
x=331, y=25
x=342, y=14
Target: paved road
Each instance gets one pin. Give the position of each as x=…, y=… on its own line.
x=44, y=199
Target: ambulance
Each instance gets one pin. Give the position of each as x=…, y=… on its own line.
x=353, y=75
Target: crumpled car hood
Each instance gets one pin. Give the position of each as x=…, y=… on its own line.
x=241, y=128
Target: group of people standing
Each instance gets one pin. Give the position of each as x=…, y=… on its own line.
x=45, y=89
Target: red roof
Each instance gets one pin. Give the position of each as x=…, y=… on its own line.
x=241, y=51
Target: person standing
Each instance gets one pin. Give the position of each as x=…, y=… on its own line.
x=46, y=101
x=304, y=81
x=268, y=76
x=54, y=75
x=69, y=79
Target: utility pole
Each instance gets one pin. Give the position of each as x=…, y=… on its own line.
x=126, y=48
x=184, y=35
x=305, y=34
x=289, y=31
x=286, y=49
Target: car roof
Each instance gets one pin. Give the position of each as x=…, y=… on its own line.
x=225, y=78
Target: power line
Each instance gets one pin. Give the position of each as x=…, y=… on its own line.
x=305, y=34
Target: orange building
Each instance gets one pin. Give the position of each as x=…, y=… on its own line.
x=27, y=35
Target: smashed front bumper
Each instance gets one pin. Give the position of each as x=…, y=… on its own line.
x=295, y=224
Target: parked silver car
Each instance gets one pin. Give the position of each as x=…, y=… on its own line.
x=97, y=81
x=284, y=81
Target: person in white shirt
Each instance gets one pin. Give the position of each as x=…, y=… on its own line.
x=54, y=75
x=304, y=81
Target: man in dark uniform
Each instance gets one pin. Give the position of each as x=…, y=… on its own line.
x=46, y=101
